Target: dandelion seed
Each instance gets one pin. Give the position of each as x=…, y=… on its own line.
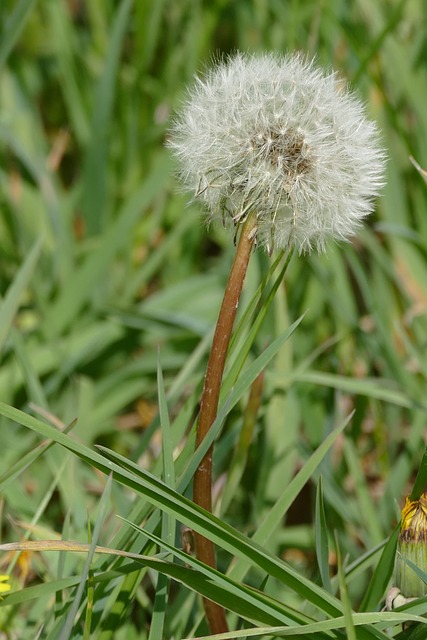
x=277, y=138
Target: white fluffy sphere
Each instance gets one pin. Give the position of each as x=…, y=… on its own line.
x=276, y=137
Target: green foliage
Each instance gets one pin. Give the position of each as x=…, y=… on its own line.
x=110, y=288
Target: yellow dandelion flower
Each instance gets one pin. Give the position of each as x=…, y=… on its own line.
x=412, y=546
x=4, y=588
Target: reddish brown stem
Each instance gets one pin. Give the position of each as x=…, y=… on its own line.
x=202, y=487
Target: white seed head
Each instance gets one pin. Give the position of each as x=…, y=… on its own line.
x=276, y=137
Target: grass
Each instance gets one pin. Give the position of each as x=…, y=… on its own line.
x=110, y=288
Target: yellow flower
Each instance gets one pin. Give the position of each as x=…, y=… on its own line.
x=414, y=519
x=412, y=546
x=4, y=587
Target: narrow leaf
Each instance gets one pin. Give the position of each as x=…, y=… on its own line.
x=421, y=479
x=382, y=574
x=349, y=624
x=10, y=305
x=322, y=543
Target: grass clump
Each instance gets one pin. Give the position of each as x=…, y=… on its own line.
x=110, y=291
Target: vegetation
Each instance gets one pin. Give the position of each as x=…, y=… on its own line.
x=110, y=289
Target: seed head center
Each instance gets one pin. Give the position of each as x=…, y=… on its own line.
x=285, y=149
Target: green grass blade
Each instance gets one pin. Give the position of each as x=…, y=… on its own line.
x=248, y=602
x=84, y=280
x=263, y=306
x=34, y=387
x=349, y=624
x=168, y=522
x=241, y=451
x=12, y=299
x=87, y=626
x=369, y=512
x=382, y=574
x=245, y=381
x=12, y=28
x=372, y=388
x=385, y=619
x=68, y=625
x=241, y=599
x=243, y=384
x=421, y=479
x=275, y=515
x=95, y=166
x=322, y=542
x=167, y=449
x=22, y=463
x=183, y=509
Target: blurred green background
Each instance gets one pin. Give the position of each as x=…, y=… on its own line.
x=103, y=263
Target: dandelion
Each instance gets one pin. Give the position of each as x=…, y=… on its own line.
x=280, y=150
x=278, y=138
x=412, y=546
x=4, y=588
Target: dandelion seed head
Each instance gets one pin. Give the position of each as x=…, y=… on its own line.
x=278, y=138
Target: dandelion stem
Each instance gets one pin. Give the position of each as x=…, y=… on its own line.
x=202, y=487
